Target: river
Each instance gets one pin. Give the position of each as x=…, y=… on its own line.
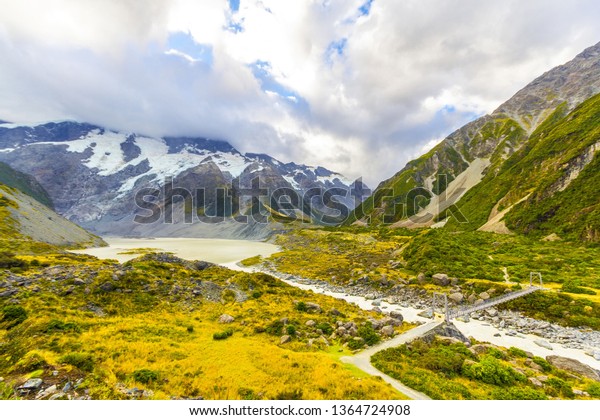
x=228, y=252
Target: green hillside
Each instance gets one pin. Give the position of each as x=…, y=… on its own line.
x=24, y=183
x=557, y=171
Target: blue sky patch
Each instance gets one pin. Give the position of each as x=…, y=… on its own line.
x=262, y=72
x=234, y=5
x=365, y=9
x=183, y=42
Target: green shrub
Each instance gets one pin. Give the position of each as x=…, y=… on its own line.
x=443, y=359
x=325, y=327
x=56, y=325
x=367, y=333
x=145, y=376
x=301, y=307
x=275, y=327
x=543, y=363
x=291, y=329
x=82, y=361
x=30, y=362
x=594, y=389
x=7, y=392
x=190, y=329
x=559, y=387
x=223, y=335
x=295, y=394
x=13, y=315
x=498, y=354
x=9, y=260
x=513, y=351
x=573, y=286
x=248, y=394
x=518, y=393
x=491, y=371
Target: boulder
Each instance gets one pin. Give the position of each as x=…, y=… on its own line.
x=314, y=308
x=421, y=279
x=574, y=366
x=285, y=339
x=334, y=312
x=492, y=312
x=225, y=319
x=536, y=382
x=441, y=279
x=78, y=282
x=107, y=287
x=388, y=331
x=456, y=297
x=543, y=343
x=427, y=313
x=51, y=390
x=484, y=295
x=31, y=384
x=311, y=323
x=397, y=315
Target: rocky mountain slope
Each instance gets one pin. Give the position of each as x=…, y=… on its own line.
x=93, y=175
x=24, y=219
x=454, y=178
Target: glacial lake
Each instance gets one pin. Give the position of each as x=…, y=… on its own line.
x=218, y=251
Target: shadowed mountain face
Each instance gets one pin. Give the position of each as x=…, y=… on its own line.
x=103, y=179
x=536, y=152
x=25, y=215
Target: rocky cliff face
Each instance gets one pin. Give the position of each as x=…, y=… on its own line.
x=94, y=177
x=450, y=177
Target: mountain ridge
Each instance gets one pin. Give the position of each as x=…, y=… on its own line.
x=93, y=175
x=431, y=188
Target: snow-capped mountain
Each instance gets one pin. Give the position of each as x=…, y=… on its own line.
x=93, y=176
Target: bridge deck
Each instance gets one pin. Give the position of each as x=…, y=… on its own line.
x=465, y=310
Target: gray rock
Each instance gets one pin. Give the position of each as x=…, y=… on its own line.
x=225, y=319
x=397, y=315
x=67, y=386
x=441, y=279
x=421, y=279
x=32, y=384
x=574, y=366
x=543, y=343
x=334, y=312
x=484, y=296
x=536, y=382
x=311, y=323
x=456, y=297
x=313, y=308
x=107, y=287
x=388, y=331
x=78, y=282
x=285, y=339
x=47, y=392
x=492, y=312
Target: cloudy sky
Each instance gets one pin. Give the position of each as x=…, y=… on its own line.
x=356, y=86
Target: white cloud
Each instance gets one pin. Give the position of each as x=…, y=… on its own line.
x=358, y=94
